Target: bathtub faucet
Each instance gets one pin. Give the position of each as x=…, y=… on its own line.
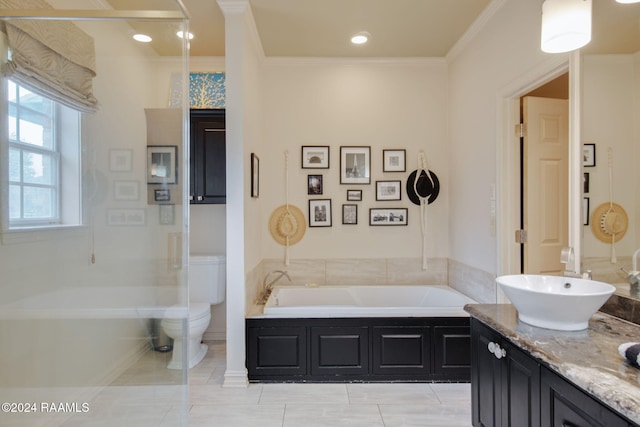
x=267, y=287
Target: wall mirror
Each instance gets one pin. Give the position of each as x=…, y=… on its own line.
x=610, y=113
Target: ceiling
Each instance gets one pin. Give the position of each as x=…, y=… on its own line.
x=398, y=28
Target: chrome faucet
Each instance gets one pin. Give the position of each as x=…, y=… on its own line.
x=567, y=257
x=267, y=287
x=633, y=276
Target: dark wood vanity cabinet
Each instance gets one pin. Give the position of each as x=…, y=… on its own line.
x=509, y=387
x=208, y=157
x=563, y=404
x=505, y=381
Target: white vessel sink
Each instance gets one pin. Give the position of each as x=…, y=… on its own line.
x=555, y=302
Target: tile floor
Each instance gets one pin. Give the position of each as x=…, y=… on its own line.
x=150, y=395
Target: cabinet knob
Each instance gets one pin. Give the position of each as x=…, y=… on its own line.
x=496, y=350
x=190, y=197
x=200, y=198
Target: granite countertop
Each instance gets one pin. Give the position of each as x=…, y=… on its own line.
x=588, y=358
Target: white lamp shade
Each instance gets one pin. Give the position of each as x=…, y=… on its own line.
x=566, y=25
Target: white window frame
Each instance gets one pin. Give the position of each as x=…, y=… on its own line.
x=67, y=135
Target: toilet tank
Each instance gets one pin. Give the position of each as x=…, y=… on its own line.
x=207, y=278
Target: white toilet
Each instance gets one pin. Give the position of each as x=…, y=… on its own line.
x=207, y=280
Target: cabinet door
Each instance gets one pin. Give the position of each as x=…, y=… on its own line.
x=276, y=351
x=520, y=388
x=486, y=377
x=401, y=350
x=339, y=350
x=451, y=356
x=208, y=157
x=564, y=405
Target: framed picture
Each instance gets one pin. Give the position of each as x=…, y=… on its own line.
x=354, y=195
x=388, y=190
x=255, y=176
x=585, y=182
x=394, y=160
x=162, y=195
x=588, y=155
x=314, y=185
x=585, y=211
x=162, y=164
x=126, y=190
x=315, y=157
x=320, y=213
x=167, y=214
x=350, y=214
x=126, y=217
x=120, y=160
x=355, y=165
x=388, y=216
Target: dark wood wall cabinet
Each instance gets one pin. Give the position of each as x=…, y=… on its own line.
x=358, y=349
x=509, y=387
x=208, y=157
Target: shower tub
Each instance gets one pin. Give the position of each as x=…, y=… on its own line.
x=360, y=333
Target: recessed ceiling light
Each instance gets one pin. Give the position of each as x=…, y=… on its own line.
x=181, y=35
x=628, y=1
x=143, y=38
x=360, y=38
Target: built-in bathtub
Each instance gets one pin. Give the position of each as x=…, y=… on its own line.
x=360, y=333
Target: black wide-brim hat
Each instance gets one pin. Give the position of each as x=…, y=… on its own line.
x=428, y=186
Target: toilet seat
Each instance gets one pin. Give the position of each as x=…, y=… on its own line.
x=197, y=311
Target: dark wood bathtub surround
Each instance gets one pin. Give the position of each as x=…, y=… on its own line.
x=418, y=349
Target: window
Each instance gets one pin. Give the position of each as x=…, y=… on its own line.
x=44, y=177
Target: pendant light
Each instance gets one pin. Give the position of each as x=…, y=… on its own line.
x=566, y=25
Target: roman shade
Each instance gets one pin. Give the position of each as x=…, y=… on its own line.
x=53, y=58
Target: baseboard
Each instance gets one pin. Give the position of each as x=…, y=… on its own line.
x=236, y=379
x=214, y=336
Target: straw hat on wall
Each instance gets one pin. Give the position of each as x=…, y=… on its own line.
x=609, y=220
x=287, y=221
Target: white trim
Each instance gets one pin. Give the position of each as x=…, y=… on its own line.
x=404, y=61
x=508, y=170
x=472, y=32
x=236, y=379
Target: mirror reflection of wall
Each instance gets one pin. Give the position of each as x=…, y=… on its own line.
x=609, y=120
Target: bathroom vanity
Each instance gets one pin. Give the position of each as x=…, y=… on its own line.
x=522, y=375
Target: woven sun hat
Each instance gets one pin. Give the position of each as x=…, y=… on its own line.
x=609, y=220
x=287, y=222
x=426, y=187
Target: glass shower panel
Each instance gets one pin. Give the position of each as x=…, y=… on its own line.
x=82, y=298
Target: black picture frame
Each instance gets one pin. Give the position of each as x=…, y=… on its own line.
x=585, y=182
x=388, y=190
x=355, y=165
x=349, y=214
x=255, y=176
x=354, y=195
x=162, y=195
x=585, y=211
x=315, y=157
x=320, y=213
x=314, y=185
x=162, y=164
x=394, y=160
x=588, y=155
x=388, y=216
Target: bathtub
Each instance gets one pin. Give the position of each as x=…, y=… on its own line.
x=365, y=301
x=360, y=333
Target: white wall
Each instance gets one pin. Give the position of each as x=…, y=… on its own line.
x=503, y=51
x=400, y=104
x=609, y=111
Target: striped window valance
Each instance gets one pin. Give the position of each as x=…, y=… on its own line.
x=53, y=58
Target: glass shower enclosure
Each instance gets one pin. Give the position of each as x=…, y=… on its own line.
x=93, y=238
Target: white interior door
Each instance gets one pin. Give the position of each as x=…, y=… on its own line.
x=545, y=183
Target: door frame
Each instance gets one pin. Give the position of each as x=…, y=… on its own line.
x=508, y=163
